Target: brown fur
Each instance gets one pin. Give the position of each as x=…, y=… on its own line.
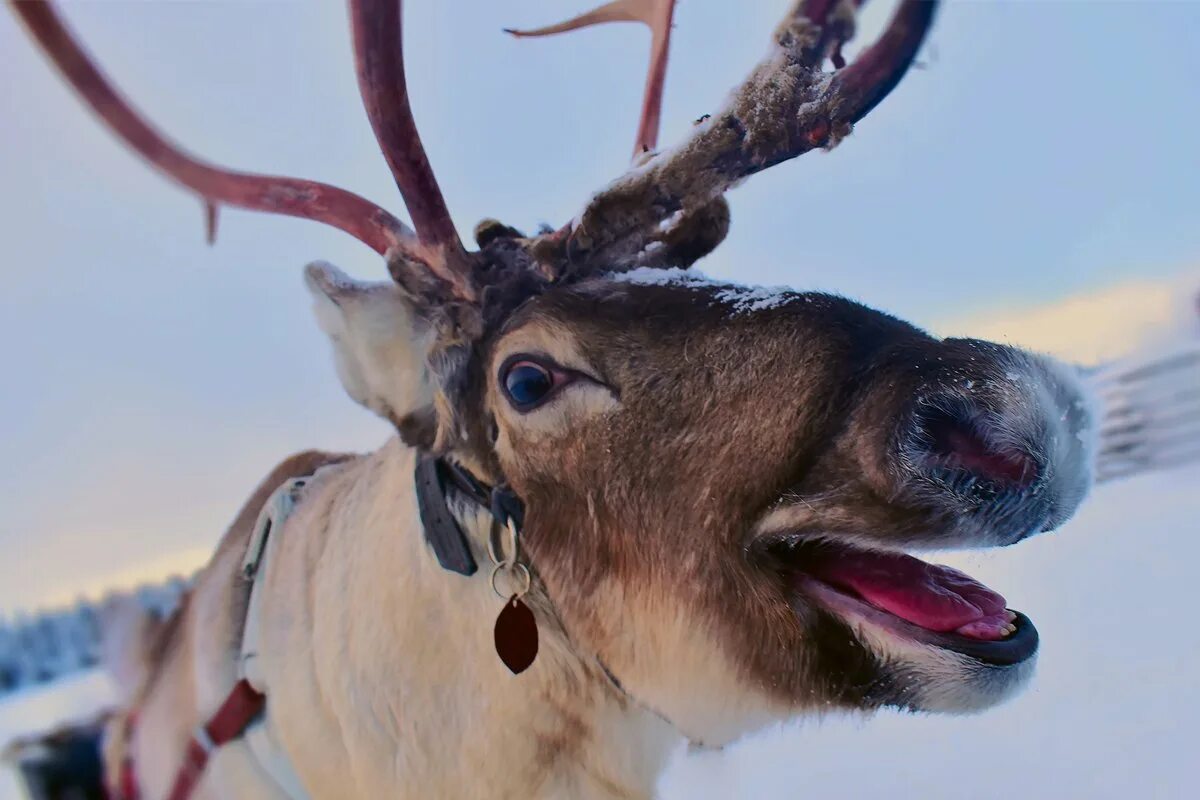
x=724, y=418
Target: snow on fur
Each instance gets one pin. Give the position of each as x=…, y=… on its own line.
x=740, y=299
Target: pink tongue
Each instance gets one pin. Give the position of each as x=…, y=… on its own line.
x=932, y=596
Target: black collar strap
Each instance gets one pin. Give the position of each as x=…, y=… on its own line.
x=435, y=478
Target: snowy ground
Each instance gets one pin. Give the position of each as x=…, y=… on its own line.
x=1108, y=715
x=39, y=708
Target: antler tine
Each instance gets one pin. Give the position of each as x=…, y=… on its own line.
x=655, y=14
x=379, y=59
x=786, y=107
x=294, y=197
x=836, y=18
x=873, y=75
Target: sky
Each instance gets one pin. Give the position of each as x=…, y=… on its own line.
x=1044, y=152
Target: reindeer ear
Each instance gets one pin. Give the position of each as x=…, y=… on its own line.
x=379, y=344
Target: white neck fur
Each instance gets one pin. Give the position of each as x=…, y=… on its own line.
x=385, y=677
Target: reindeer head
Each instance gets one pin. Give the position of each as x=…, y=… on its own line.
x=721, y=484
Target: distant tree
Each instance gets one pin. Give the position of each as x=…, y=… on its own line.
x=55, y=642
x=9, y=666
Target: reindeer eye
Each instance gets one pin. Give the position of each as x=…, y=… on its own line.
x=529, y=383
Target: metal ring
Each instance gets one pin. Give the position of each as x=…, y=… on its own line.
x=497, y=554
x=204, y=740
x=526, y=579
x=492, y=546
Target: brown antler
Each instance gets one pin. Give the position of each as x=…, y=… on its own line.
x=294, y=197
x=379, y=59
x=657, y=15
x=786, y=107
x=668, y=210
x=836, y=19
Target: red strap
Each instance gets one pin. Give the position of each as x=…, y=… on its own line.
x=243, y=704
x=126, y=786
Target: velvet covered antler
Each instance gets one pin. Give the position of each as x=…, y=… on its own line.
x=787, y=106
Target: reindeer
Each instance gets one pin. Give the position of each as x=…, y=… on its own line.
x=695, y=503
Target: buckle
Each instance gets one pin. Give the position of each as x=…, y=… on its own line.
x=202, y=738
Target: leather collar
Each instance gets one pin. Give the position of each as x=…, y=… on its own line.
x=436, y=479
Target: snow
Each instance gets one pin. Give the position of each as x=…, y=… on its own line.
x=757, y=298
x=740, y=299
x=1109, y=715
x=664, y=276
x=39, y=708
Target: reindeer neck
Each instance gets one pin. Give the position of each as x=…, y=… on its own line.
x=391, y=678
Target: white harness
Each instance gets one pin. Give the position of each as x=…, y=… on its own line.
x=263, y=746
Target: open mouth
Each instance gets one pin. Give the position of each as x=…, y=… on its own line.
x=928, y=603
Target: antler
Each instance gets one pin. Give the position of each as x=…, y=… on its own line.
x=657, y=15
x=379, y=61
x=786, y=107
x=667, y=210
x=294, y=197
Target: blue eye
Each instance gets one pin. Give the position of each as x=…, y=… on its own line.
x=527, y=384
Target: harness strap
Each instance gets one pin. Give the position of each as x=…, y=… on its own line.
x=442, y=530
x=127, y=785
x=247, y=701
x=435, y=478
x=243, y=705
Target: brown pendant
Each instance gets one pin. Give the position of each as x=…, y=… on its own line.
x=516, y=636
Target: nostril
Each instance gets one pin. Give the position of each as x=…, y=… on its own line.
x=960, y=443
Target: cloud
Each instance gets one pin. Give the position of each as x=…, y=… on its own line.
x=151, y=570
x=1093, y=326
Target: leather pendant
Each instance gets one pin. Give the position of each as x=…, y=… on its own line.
x=516, y=636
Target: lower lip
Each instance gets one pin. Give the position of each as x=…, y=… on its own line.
x=1015, y=649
